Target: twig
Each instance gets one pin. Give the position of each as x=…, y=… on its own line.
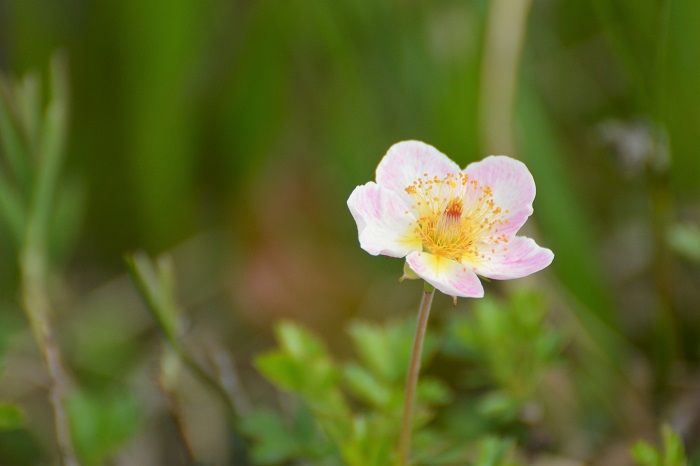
x=175, y=413
x=38, y=311
x=229, y=380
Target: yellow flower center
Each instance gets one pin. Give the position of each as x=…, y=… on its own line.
x=457, y=217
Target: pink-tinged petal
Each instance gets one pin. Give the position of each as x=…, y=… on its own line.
x=383, y=224
x=512, y=185
x=519, y=257
x=407, y=161
x=447, y=275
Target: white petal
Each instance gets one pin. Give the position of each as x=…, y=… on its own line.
x=407, y=161
x=512, y=185
x=383, y=224
x=447, y=275
x=519, y=257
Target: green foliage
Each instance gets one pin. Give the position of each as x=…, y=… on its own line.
x=511, y=343
x=302, y=365
x=101, y=423
x=386, y=349
x=671, y=452
x=509, y=339
x=276, y=440
x=41, y=210
x=351, y=410
x=347, y=433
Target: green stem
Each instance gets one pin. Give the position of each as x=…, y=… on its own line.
x=412, y=377
x=33, y=257
x=38, y=309
x=159, y=299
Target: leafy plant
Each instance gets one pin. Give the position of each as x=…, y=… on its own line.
x=670, y=453
x=354, y=407
x=349, y=412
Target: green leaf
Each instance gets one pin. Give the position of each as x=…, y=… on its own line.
x=66, y=218
x=645, y=455
x=371, y=441
x=494, y=452
x=365, y=386
x=51, y=152
x=282, y=370
x=10, y=136
x=309, y=365
x=374, y=348
x=674, y=451
x=273, y=442
x=299, y=342
x=386, y=349
x=28, y=100
x=499, y=405
x=100, y=423
x=276, y=441
x=11, y=417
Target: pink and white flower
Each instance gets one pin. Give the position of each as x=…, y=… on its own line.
x=451, y=225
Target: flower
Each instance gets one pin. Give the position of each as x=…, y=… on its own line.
x=451, y=225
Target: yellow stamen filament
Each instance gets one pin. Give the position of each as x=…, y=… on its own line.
x=457, y=217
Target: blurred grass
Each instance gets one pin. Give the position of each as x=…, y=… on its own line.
x=160, y=48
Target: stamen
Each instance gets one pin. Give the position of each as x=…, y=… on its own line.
x=454, y=221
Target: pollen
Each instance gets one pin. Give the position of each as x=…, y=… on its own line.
x=457, y=217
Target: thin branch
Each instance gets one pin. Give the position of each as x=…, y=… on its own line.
x=229, y=380
x=38, y=311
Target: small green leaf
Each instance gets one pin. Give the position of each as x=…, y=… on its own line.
x=645, y=455
x=494, y=452
x=365, y=386
x=11, y=417
x=273, y=442
x=674, y=451
x=101, y=423
x=499, y=405
x=66, y=218
x=386, y=349
x=281, y=369
x=374, y=349
x=298, y=341
x=28, y=100
x=11, y=137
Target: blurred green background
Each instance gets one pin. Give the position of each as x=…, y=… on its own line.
x=232, y=132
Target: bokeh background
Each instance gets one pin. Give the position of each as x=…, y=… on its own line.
x=231, y=132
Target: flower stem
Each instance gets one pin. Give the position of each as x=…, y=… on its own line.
x=412, y=377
